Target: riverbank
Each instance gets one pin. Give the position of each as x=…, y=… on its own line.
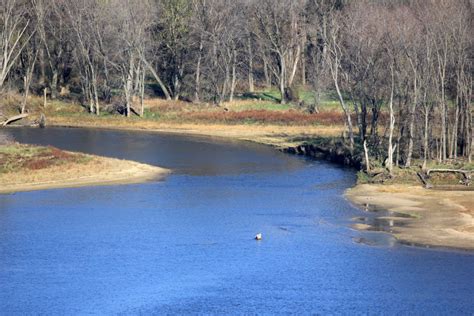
x=438, y=221
x=438, y=218
x=28, y=168
x=279, y=136
x=418, y=216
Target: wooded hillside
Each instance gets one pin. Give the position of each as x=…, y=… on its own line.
x=401, y=70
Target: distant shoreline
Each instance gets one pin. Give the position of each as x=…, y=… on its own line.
x=279, y=136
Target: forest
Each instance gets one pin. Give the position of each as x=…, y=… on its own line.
x=401, y=71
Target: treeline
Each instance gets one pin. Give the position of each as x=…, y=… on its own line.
x=402, y=70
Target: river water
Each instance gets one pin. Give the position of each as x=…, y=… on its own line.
x=185, y=245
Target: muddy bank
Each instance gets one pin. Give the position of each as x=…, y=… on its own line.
x=419, y=217
x=330, y=151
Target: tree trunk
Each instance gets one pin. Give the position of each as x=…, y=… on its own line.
x=129, y=85
x=411, y=128
x=442, y=76
x=359, y=118
x=42, y=62
x=303, y=60
x=96, y=95
x=392, y=126
x=197, y=80
x=223, y=92
x=250, y=73
x=137, y=79
x=363, y=123
x=26, y=84
x=266, y=73
x=469, y=123
x=157, y=78
x=54, y=84
x=375, y=121
x=295, y=66
x=443, y=127
x=453, y=149
x=234, y=75
x=45, y=92
x=176, y=86
x=282, y=79
x=335, y=71
x=26, y=88
x=367, y=162
x=142, y=93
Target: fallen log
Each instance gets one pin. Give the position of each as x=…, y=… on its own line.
x=465, y=173
x=13, y=119
x=425, y=180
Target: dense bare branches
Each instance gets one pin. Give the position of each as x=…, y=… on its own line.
x=14, y=22
x=279, y=28
x=401, y=70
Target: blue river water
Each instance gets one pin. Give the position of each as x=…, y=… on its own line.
x=185, y=245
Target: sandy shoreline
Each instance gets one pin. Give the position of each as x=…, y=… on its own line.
x=98, y=171
x=443, y=219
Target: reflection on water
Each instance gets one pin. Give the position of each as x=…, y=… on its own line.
x=380, y=220
x=201, y=156
x=376, y=240
x=185, y=246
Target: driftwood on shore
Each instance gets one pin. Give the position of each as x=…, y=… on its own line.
x=13, y=119
x=424, y=177
x=465, y=173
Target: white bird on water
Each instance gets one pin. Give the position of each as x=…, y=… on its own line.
x=258, y=236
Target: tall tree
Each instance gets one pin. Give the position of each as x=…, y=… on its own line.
x=14, y=23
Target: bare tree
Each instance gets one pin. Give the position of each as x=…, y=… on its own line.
x=279, y=28
x=83, y=16
x=219, y=29
x=56, y=39
x=334, y=62
x=28, y=60
x=13, y=34
x=171, y=38
x=128, y=43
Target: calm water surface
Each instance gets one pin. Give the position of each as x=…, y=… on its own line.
x=184, y=246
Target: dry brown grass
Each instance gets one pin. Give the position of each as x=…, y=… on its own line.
x=290, y=117
x=248, y=112
x=278, y=127
x=165, y=105
x=270, y=134
x=34, y=167
x=16, y=157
